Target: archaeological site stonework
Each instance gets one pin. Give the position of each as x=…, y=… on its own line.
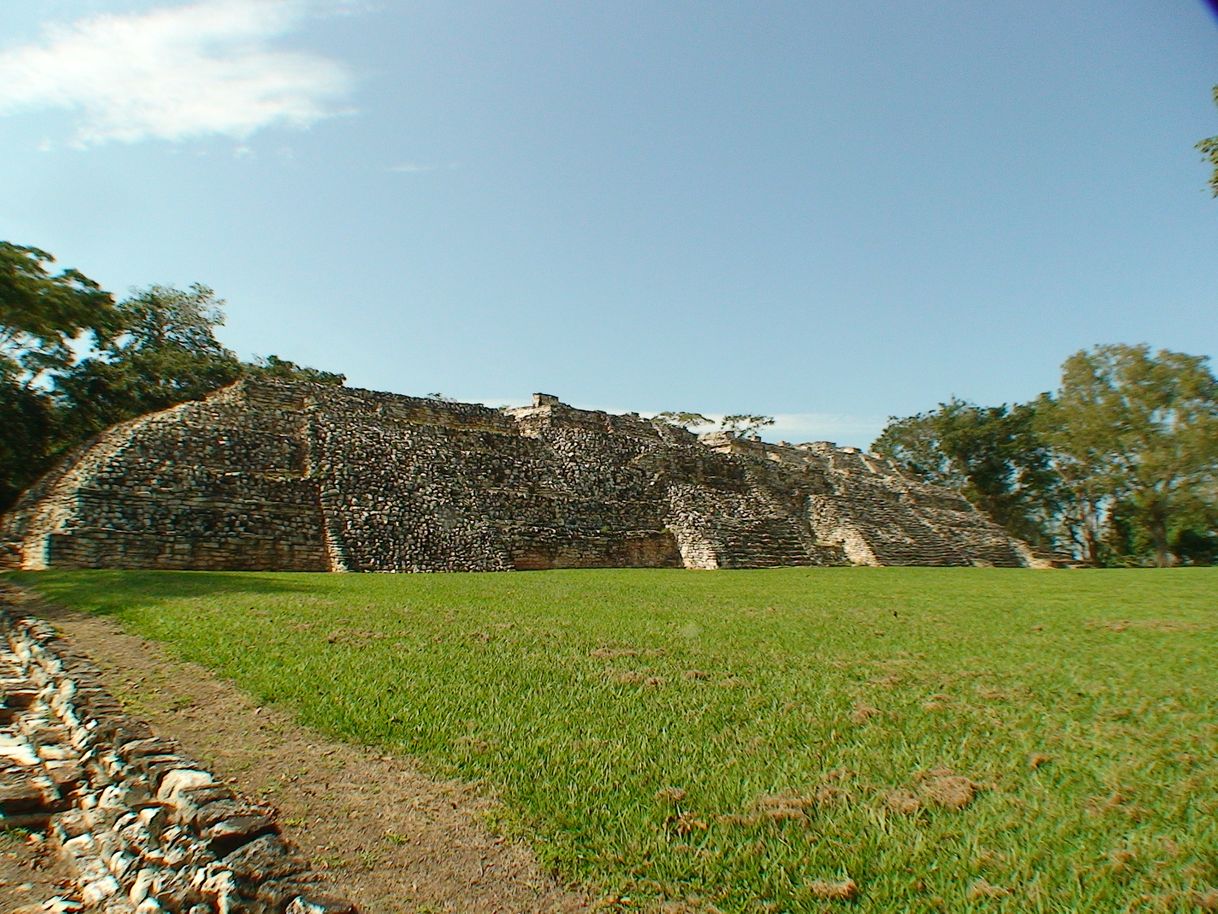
x=300, y=477
x=142, y=827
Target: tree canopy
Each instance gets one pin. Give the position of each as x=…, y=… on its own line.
x=992, y=454
x=42, y=314
x=682, y=419
x=1120, y=464
x=745, y=425
x=1209, y=149
x=73, y=361
x=166, y=353
x=1135, y=436
x=275, y=368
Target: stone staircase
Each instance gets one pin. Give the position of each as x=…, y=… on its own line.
x=764, y=543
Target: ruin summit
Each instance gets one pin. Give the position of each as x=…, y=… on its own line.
x=281, y=476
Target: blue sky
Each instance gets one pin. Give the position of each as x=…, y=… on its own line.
x=828, y=212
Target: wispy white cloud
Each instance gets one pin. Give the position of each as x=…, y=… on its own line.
x=355, y=7
x=176, y=73
x=412, y=168
x=418, y=168
x=855, y=431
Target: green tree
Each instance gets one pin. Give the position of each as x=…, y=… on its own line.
x=745, y=425
x=43, y=314
x=993, y=455
x=916, y=443
x=166, y=353
x=28, y=442
x=682, y=419
x=1135, y=437
x=72, y=362
x=1209, y=150
x=45, y=318
x=275, y=368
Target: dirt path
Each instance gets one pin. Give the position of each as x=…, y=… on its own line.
x=29, y=873
x=391, y=839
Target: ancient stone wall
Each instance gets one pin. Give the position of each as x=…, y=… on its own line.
x=144, y=829
x=271, y=475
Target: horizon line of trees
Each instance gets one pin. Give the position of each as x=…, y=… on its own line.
x=74, y=361
x=1119, y=466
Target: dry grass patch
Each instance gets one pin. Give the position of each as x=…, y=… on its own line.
x=904, y=801
x=983, y=889
x=939, y=787
x=637, y=677
x=846, y=890
x=687, y=823
x=864, y=712
x=887, y=680
x=947, y=789
x=1205, y=901
x=788, y=807
x=689, y=906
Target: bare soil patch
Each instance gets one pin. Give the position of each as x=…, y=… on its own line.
x=29, y=873
x=387, y=836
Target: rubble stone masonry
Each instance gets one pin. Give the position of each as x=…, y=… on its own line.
x=301, y=477
x=143, y=828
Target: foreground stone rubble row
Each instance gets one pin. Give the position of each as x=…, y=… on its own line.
x=290, y=476
x=144, y=829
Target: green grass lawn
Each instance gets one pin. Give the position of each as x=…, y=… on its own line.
x=945, y=739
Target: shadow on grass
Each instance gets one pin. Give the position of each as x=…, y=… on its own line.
x=112, y=592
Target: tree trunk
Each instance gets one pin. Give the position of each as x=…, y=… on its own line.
x=1158, y=536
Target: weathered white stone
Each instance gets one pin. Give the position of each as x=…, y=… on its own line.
x=180, y=779
x=100, y=889
x=17, y=750
x=80, y=847
x=143, y=882
x=121, y=863
x=113, y=797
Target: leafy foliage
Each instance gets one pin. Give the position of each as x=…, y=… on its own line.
x=27, y=445
x=1209, y=149
x=1119, y=466
x=745, y=425
x=275, y=368
x=72, y=362
x=167, y=353
x=42, y=314
x=994, y=455
x=682, y=419
x=1135, y=436
x=42, y=317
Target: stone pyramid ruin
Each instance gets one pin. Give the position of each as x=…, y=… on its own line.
x=281, y=476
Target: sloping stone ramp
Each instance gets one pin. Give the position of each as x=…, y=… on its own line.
x=144, y=829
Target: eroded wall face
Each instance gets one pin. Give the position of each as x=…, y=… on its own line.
x=461, y=488
x=300, y=477
x=217, y=485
